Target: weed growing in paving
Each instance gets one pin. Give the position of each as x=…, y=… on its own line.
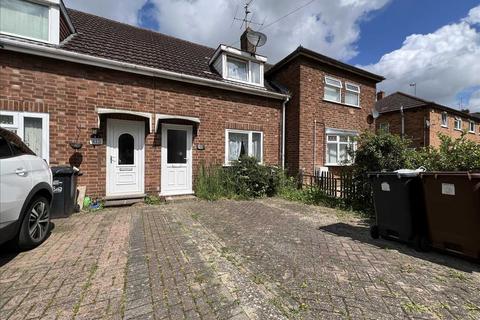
x=457, y=275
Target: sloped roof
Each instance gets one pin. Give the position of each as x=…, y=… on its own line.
x=301, y=51
x=109, y=39
x=396, y=100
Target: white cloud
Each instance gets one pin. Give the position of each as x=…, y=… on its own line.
x=442, y=64
x=475, y=102
x=123, y=11
x=330, y=27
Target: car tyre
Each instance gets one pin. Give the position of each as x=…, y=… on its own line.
x=35, y=224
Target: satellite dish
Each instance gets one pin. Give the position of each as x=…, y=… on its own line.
x=375, y=114
x=257, y=39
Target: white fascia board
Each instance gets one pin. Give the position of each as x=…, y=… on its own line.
x=56, y=53
x=243, y=54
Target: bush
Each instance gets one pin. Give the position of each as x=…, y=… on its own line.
x=458, y=154
x=244, y=179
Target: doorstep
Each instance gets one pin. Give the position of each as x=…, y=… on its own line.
x=123, y=200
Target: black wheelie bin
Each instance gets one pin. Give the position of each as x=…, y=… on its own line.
x=64, y=191
x=399, y=207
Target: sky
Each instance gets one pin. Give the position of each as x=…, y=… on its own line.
x=432, y=43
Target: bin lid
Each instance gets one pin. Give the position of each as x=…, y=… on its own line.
x=62, y=170
x=470, y=175
x=401, y=173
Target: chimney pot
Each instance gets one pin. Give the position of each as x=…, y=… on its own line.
x=380, y=95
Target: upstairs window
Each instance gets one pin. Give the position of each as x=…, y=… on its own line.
x=472, y=127
x=458, y=124
x=352, y=94
x=237, y=69
x=333, y=90
x=444, y=119
x=244, y=70
x=25, y=19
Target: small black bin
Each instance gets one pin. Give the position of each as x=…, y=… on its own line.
x=399, y=208
x=64, y=191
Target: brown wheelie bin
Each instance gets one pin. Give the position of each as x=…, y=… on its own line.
x=452, y=202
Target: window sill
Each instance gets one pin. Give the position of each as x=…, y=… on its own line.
x=472, y=132
x=444, y=126
x=259, y=85
x=458, y=130
x=343, y=104
x=337, y=165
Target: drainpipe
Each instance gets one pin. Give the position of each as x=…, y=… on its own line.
x=403, y=121
x=284, y=106
x=314, y=144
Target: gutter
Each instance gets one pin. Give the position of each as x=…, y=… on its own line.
x=61, y=54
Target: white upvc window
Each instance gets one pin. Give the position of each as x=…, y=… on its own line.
x=31, y=127
x=444, y=119
x=458, y=123
x=36, y=20
x=244, y=71
x=352, y=94
x=384, y=127
x=333, y=90
x=338, y=149
x=472, y=127
x=243, y=143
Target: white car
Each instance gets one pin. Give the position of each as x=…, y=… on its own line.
x=25, y=193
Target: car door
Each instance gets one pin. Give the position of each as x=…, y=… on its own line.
x=15, y=181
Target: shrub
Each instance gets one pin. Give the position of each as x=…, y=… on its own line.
x=213, y=183
x=244, y=179
x=458, y=154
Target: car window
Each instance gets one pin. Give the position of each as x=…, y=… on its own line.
x=5, y=151
x=19, y=148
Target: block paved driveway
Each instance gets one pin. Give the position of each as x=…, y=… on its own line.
x=265, y=259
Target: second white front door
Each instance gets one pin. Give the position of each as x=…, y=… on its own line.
x=125, y=157
x=176, y=159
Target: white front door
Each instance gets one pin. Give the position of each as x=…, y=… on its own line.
x=125, y=157
x=176, y=159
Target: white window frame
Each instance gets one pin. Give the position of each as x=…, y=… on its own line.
x=250, y=143
x=53, y=22
x=354, y=91
x=249, y=70
x=471, y=123
x=444, y=124
x=384, y=126
x=338, y=143
x=19, y=127
x=459, y=122
x=340, y=86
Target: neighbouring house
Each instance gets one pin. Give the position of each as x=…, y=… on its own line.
x=139, y=112
x=329, y=106
x=421, y=120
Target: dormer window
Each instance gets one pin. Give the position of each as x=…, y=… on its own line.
x=240, y=66
x=243, y=70
x=37, y=20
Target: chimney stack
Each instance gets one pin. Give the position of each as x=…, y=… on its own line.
x=380, y=95
x=245, y=45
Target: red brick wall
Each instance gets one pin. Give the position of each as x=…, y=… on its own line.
x=310, y=106
x=414, y=125
x=436, y=128
x=70, y=93
x=416, y=131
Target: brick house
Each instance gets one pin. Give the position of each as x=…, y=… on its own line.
x=148, y=108
x=330, y=104
x=422, y=120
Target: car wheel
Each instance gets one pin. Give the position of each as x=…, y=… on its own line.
x=35, y=224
